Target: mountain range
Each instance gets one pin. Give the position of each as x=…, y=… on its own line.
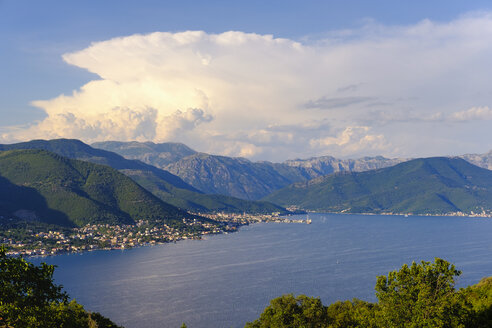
x=166, y=186
x=421, y=186
x=192, y=181
x=243, y=178
x=235, y=176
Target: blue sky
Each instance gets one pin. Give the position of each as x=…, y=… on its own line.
x=37, y=34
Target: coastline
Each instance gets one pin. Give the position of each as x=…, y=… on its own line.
x=118, y=237
x=224, y=223
x=452, y=214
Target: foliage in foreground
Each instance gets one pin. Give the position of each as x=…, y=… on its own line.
x=29, y=298
x=419, y=295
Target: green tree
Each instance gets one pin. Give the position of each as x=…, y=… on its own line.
x=480, y=298
x=29, y=298
x=417, y=296
x=351, y=314
x=289, y=311
x=421, y=295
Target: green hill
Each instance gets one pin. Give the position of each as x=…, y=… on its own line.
x=40, y=185
x=76, y=149
x=166, y=186
x=199, y=202
x=422, y=186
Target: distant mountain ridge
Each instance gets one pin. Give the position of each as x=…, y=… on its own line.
x=482, y=160
x=235, y=176
x=158, y=155
x=245, y=179
x=166, y=186
x=187, y=175
x=323, y=165
x=436, y=185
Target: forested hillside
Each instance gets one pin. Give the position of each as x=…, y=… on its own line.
x=422, y=186
x=40, y=185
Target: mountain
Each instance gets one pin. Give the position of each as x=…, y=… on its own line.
x=482, y=160
x=43, y=186
x=235, y=176
x=318, y=166
x=168, y=187
x=200, y=202
x=76, y=149
x=158, y=155
x=422, y=186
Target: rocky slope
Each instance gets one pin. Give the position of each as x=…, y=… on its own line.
x=234, y=176
x=482, y=160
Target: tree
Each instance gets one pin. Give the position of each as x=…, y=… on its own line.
x=29, y=298
x=351, y=314
x=480, y=298
x=421, y=295
x=289, y=311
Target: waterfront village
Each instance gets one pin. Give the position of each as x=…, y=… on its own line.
x=36, y=242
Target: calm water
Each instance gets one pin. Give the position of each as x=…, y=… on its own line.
x=227, y=280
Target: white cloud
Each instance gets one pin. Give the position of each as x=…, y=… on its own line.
x=230, y=92
x=474, y=113
x=352, y=140
x=337, y=102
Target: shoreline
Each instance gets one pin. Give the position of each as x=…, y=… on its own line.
x=120, y=236
x=229, y=227
x=457, y=214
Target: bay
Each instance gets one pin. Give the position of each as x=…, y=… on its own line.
x=227, y=280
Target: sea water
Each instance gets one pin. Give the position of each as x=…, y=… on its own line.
x=227, y=280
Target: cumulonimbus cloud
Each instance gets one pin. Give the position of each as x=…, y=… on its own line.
x=226, y=92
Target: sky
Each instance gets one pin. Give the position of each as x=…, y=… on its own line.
x=265, y=80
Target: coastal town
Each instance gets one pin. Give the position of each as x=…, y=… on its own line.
x=43, y=242
x=36, y=242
